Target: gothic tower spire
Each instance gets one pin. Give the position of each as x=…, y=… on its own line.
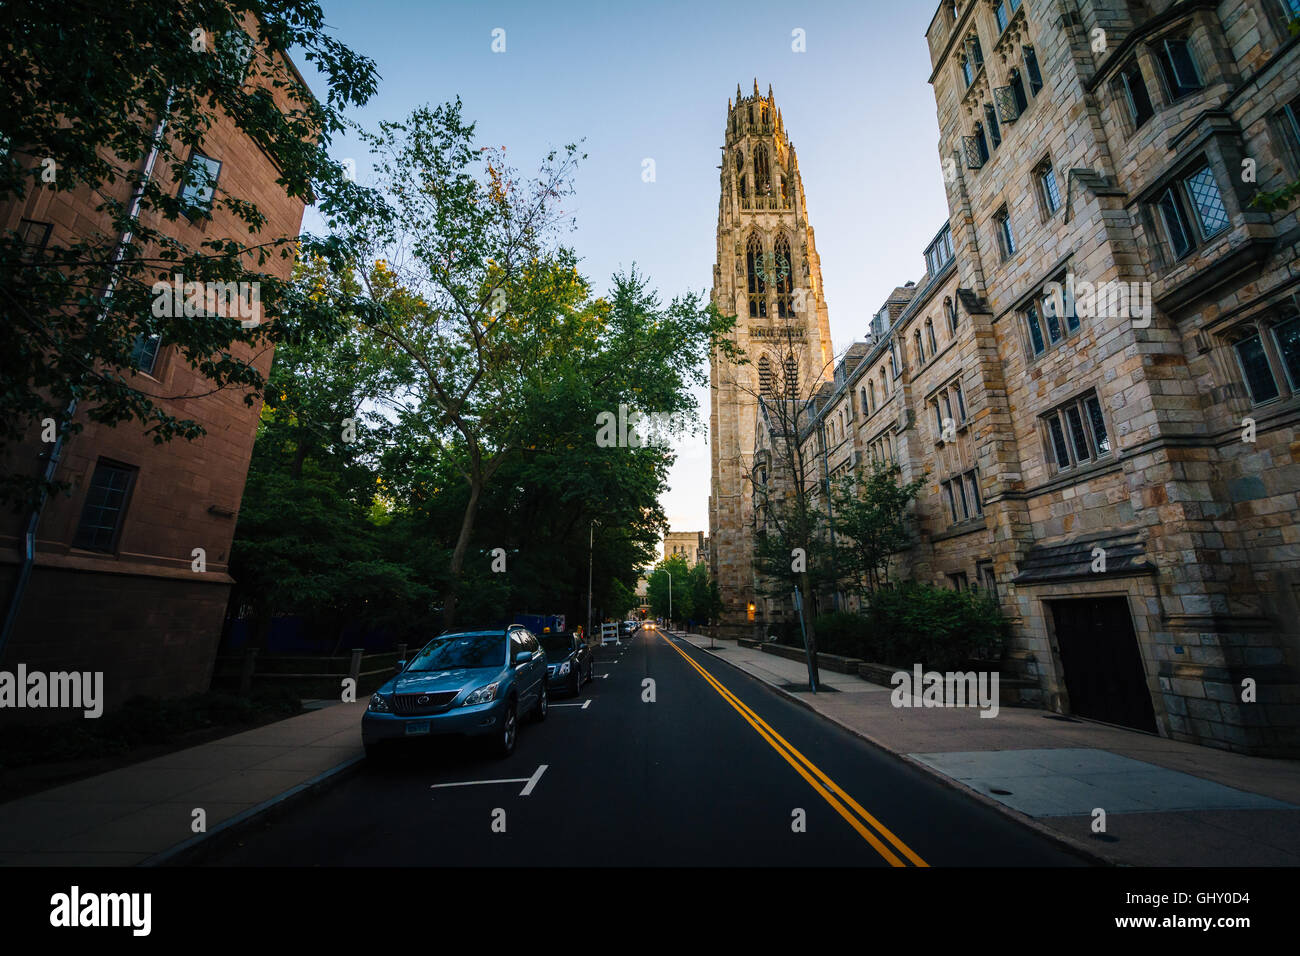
x=768, y=275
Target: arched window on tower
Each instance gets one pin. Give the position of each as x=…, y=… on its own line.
x=757, y=283
x=762, y=171
x=950, y=310
x=740, y=174
x=784, y=280
x=765, y=376
x=918, y=348
x=791, y=377
x=929, y=334
x=872, y=393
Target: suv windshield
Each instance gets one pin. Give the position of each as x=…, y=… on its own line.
x=558, y=645
x=461, y=650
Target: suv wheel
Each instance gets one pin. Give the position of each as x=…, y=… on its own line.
x=509, y=731
x=543, y=705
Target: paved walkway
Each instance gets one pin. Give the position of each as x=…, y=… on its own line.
x=137, y=813
x=1167, y=803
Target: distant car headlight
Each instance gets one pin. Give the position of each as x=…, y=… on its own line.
x=564, y=669
x=378, y=703
x=482, y=695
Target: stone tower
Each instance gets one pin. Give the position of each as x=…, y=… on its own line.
x=769, y=276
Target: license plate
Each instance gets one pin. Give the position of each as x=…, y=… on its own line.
x=417, y=727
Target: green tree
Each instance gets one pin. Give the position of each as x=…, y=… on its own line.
x=871, y=522
x=791, y=528
x=91, y=90
x=621, y=600
x=492, y=335
x=671, y=576
x=314, y=536
x=706, y=600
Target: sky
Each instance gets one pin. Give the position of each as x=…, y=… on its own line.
x=651, y=81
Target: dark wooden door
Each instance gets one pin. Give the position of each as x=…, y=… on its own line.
x=1101, y=662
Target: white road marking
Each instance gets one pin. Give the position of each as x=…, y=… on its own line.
x=532, y=781
x=587, y=704
x=529, y=782
x=570, y=705
x=477, y=783
x=604, y=675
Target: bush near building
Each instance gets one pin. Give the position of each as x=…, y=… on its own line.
x=913, y=623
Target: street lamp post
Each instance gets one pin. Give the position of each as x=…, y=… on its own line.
x=591, y=538
x=670, y=596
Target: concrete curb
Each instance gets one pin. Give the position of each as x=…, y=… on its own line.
x=193, y=850
x=1060, y=840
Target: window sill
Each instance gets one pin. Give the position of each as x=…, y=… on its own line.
x=963, y=527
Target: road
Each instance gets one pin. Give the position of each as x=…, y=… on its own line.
x=717, y=770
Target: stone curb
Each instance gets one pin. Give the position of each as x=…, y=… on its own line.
x=202, y=845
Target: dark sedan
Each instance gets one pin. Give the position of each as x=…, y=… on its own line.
x=568, y=661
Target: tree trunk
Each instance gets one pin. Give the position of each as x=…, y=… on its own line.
x=462, y=546
x=812, y=634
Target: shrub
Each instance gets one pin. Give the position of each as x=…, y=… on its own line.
x=140, y=721
x=841, y=632
x=936, y=627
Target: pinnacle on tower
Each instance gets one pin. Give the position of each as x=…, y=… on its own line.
x=769, y=92
x=738, y=95
x=755, y=86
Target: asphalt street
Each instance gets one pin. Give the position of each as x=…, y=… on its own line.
x=717, y=770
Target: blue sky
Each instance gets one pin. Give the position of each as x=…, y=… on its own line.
x=651, y=80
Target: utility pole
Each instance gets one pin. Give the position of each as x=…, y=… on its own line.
x=591, y=538
x=670, y=596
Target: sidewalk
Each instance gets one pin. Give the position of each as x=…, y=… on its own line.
x=143, y=812
x=1167, y=803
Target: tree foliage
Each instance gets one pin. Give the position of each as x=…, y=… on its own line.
x=871, y=522
x=497, y=350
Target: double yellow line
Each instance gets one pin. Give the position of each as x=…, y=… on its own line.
x=867, y=826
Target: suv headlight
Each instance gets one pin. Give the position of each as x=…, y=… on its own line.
x=482, y=695
x=563, y=669
x=378, y=703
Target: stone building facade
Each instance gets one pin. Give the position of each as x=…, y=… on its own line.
x=768, y=274
x=113, y=586
x=691, y=545
x=1097, y=375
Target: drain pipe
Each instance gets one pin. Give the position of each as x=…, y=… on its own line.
x=56, y=453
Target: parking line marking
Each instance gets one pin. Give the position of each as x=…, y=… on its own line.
x=478, y=783
x=571, y=705
x=587, y=704
x=532, y=781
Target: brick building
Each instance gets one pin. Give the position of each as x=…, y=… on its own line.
x=1097, y=373
x=113, y=587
